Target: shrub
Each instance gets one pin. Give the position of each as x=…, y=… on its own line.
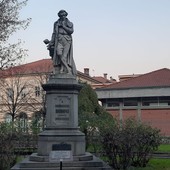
x=148, y=140
x=7, y=156
x=129, y=143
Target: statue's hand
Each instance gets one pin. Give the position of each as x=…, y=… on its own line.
x=63, y=24
x=51, y=43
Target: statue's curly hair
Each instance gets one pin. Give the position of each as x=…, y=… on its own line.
x=61, y=11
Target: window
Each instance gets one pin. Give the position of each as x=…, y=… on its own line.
x=10, y=94
x=37, y=121
x=130, y=102
x=22, y=121
x=23, y=93
x=156, y=101
x=8, y=118
x=37, y=91
x=150, y=101
x=112, y=102
x=164, y=101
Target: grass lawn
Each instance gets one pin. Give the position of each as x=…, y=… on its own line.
x=164, y=148
x=161, y=148
x=156, y=164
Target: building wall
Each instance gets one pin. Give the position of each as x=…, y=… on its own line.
x=157, y=118
x=150, y=105
x=33, y=102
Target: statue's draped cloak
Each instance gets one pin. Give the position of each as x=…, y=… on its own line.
x=55, y=57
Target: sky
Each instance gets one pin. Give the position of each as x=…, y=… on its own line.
x=117, y=37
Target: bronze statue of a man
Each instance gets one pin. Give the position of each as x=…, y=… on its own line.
x=60, y=46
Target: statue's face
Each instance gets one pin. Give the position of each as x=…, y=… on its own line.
x=62, y=15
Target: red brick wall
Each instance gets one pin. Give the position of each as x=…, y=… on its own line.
x=159, y=118
x=129, y=113
x=114, y=113
x=125, y=113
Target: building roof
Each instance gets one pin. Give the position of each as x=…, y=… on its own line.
x=40, y=66
x=158, y=78
x=87, y=77
x=102, y=79
x=125, y=77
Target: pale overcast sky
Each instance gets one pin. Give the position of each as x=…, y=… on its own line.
x=110, y=36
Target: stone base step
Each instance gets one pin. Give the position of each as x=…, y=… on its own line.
x=94, y=164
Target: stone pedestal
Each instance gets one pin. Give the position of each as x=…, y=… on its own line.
x=61, y=128
x=62, y=116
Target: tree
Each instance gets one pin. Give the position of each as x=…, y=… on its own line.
x=40, y=109
x=11, y=54
x=91, y=116
x=16, y=94
x=88, y=101
x=88, y=107
x=39, y=105
x=21, y=91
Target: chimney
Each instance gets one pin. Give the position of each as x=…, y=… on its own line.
x=112, y=79
x=105, y=75
x=86, y=71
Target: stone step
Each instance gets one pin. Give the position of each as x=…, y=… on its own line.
x=36, y=158
x=63, y=168
x=95, y=164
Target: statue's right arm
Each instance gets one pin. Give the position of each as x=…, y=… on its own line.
x=52, y=42
x=52, y=39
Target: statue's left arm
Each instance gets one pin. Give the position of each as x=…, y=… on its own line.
x=68, y=27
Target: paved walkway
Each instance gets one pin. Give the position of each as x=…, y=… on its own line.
x=161, y=155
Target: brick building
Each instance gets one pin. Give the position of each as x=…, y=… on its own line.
x=145, y=97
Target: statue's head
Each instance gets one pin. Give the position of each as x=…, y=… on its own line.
x=62, y=13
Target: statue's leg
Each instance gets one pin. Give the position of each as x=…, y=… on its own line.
x=65, y=54
x=60, y=48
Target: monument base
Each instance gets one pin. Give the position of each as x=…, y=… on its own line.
x=49, y=138
x=84, y=162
